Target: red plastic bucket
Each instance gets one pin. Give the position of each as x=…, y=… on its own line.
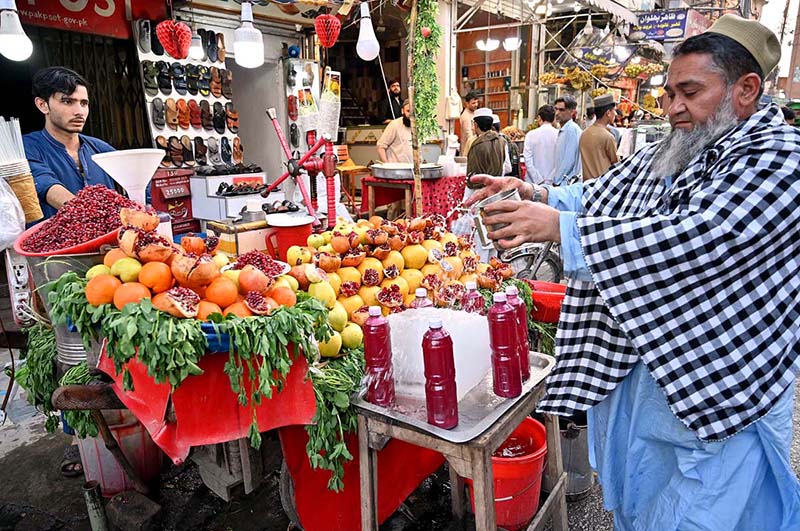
x=518, y=480
x=285, y=232
x=547, y=298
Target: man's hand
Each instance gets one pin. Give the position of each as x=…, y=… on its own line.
x=528, y=222
x=493, y=185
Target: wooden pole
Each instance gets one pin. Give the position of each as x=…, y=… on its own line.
x=412, y=32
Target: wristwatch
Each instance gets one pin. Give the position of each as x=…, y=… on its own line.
x=537, y=195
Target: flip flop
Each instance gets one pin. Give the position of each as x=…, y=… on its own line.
x=194, y=115
x=216, y=82
x=200, y=151
x=221, y=47
x=292, y=104
x=205, y=80
x=71, y=465
x=172, y=114
x=238, y=150
x=157, y=113
x=206, y=118
x=149, y=73
x=192, y=79
x=213, y=151
x=155, y=44
x=176, y=151
x=164, y=78
x=227, y=78
x=219, y=118
x=225, y=150
x=231, y=118
x=188, y=151
x=179, y=78
x=183, y=114
x=294, y=135
x=161, y=143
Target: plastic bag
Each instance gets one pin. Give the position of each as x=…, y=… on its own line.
x=12, y=218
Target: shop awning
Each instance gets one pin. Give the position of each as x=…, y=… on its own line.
x=619, y=13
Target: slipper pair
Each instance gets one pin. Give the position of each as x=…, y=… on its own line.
x=280, y=206
x=178, y=152
x=213, y=45
x=176, y=114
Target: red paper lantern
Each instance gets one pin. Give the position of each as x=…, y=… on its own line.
x=328, y=27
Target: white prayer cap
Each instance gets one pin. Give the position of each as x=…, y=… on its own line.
x=495, y=119
x=483, y=111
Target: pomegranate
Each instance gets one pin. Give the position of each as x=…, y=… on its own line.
x=253, y=279
x=391, y=272
x=397, y=241
x=489, y=280
x=353, y=257
x=197, y=245
x=470, y=264
x=371, y=277
x=178, y=302
x=431, y=282
x=349, y=288
x=390, y=227
x=360, y=316
x=377, y=237
x=450, y=249
x=390, y=296
x=415, y=237
x=299, y=274
x=258, y=303
x=380, y=252
x=417, y=224
x=143, y=245
x=194, y=271
x=261, y=261
x=505, y=271
x=138, y=217
x=328, y=262
x=447, y=295
x=465, y=242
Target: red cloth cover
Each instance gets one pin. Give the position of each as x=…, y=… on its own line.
x=439, y=196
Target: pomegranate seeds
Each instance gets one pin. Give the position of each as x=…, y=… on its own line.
x=260, y=261
x=92, y=213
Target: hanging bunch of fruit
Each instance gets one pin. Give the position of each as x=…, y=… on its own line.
x=633, y=70
x=598, y=92
x=599, y=71
x=548, y=78
x=578, y=78
x=652, y=69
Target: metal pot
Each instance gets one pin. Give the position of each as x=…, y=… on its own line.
x=428, y=171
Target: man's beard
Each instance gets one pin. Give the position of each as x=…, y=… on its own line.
x=675, y=152
x=406, y=121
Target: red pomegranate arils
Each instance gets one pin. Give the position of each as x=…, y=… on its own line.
x=260, y=261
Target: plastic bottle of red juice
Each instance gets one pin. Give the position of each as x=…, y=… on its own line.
x=421, y=300
x=440, y=376
x=523, y=342
x=379, y=374
x=506, y=373
x=472, y=301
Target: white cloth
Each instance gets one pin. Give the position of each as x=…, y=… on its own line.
x=540, y=153
x=396, y=140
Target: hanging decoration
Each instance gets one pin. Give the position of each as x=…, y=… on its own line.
x=175, y=37
x=328, y=28
x=427, y=40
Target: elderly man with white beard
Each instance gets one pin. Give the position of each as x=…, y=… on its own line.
x=679, y=330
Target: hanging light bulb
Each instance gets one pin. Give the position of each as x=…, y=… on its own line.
x=367, y=46
x=622, y=52
x=196, y=51
x=14, y=43
x=606, y=30
x=248, y=43
x=511, y=43
x=588, y=29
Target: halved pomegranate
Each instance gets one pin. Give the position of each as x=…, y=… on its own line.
x=135, y=217
x=194, y=271
x=390, y=296
x=178, y=302
x=259, y=304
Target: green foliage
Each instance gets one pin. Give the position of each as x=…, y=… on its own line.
x=79, y=420
x=38, y=375
x=426, y=83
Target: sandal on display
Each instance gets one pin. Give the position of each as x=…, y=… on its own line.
x=231, y=118
x=216, y=82
x=219, y=118
x=164, y=78
x=292, y=104
x=161, y=143
x=221, y=47
x=155, y=44
x=238, y=151
x=204, y=39
x=200, y=151
x=211, y=46
x=157, y=113
x=176, y=151
x=204, y=81
x=188, y=151
x=227, y=79
x=192, y=79
x=213, y=151
x=225, y=150
x=141, y=34
x=71, y=465
x=206, y=116
x=172, y=114
x=179, y=78
x=194, y=115
x=183, y=114
x=294, y=135
x=149, y=73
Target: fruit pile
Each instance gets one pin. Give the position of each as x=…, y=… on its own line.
x=377, y=262
x=93, y=212
x=634, y=70
x=185, y=281
x=549, y=78
x=598, y=92
x=599, y=71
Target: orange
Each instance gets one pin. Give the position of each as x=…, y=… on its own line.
x=130, y=292
x=157, y=276
x=112, y=256
x=283, y=296
x=100, y=290
x=222, y=292
x=206, y=308
x=238, y=308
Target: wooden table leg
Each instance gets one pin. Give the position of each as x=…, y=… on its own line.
x=371, y=200
x=483, y=489
x=368, y=463
x=457, y=498
x=408, y=196
x=554, y=468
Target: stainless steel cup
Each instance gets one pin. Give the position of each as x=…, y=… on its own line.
x=484, y=230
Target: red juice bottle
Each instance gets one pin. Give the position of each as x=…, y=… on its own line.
x=379, y=374
x=421, y=300
x=472, y=301
x=506, y=373
x=523, y=342
x=440, y=376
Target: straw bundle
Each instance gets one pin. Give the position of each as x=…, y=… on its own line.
x=15, y=170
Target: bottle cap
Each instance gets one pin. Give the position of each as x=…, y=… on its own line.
x=435, y=322
x=512, y=290
x=421, y=292
x=499, y=297
x=375, y=311
x=470, y=284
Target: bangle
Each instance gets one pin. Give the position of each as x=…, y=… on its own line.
x=537, y=195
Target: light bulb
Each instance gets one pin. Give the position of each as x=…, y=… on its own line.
x=481, y=45
x=367, y=46
x=657, y=80
x=654, y=92
x=248, y=43
x=14, y=43
x=588, y=29
x=492, y=44
x=621, y=52
x=196, y=51
x=511, y=43
x=606, y=30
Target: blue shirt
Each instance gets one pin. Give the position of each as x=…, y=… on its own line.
x=568, y=156
x=51, y=164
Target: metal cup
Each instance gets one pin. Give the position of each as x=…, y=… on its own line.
x=484, y=230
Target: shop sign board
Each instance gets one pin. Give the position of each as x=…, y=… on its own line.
x=669, y=25
x=111, y=18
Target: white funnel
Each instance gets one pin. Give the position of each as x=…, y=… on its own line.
x=131, y=168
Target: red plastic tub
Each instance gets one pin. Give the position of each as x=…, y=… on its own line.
x=547, y=299
x=518, y=480
x=92, y=246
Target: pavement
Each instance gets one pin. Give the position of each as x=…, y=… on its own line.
x=34, y=496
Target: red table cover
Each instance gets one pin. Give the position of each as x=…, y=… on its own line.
x=439, y=196
x=206, y=409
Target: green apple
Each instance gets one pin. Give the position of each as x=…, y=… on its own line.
x=99, y=269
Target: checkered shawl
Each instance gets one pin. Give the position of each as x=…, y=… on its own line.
x=699, y=280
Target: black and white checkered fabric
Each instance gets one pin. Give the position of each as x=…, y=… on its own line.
x=700, y=281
